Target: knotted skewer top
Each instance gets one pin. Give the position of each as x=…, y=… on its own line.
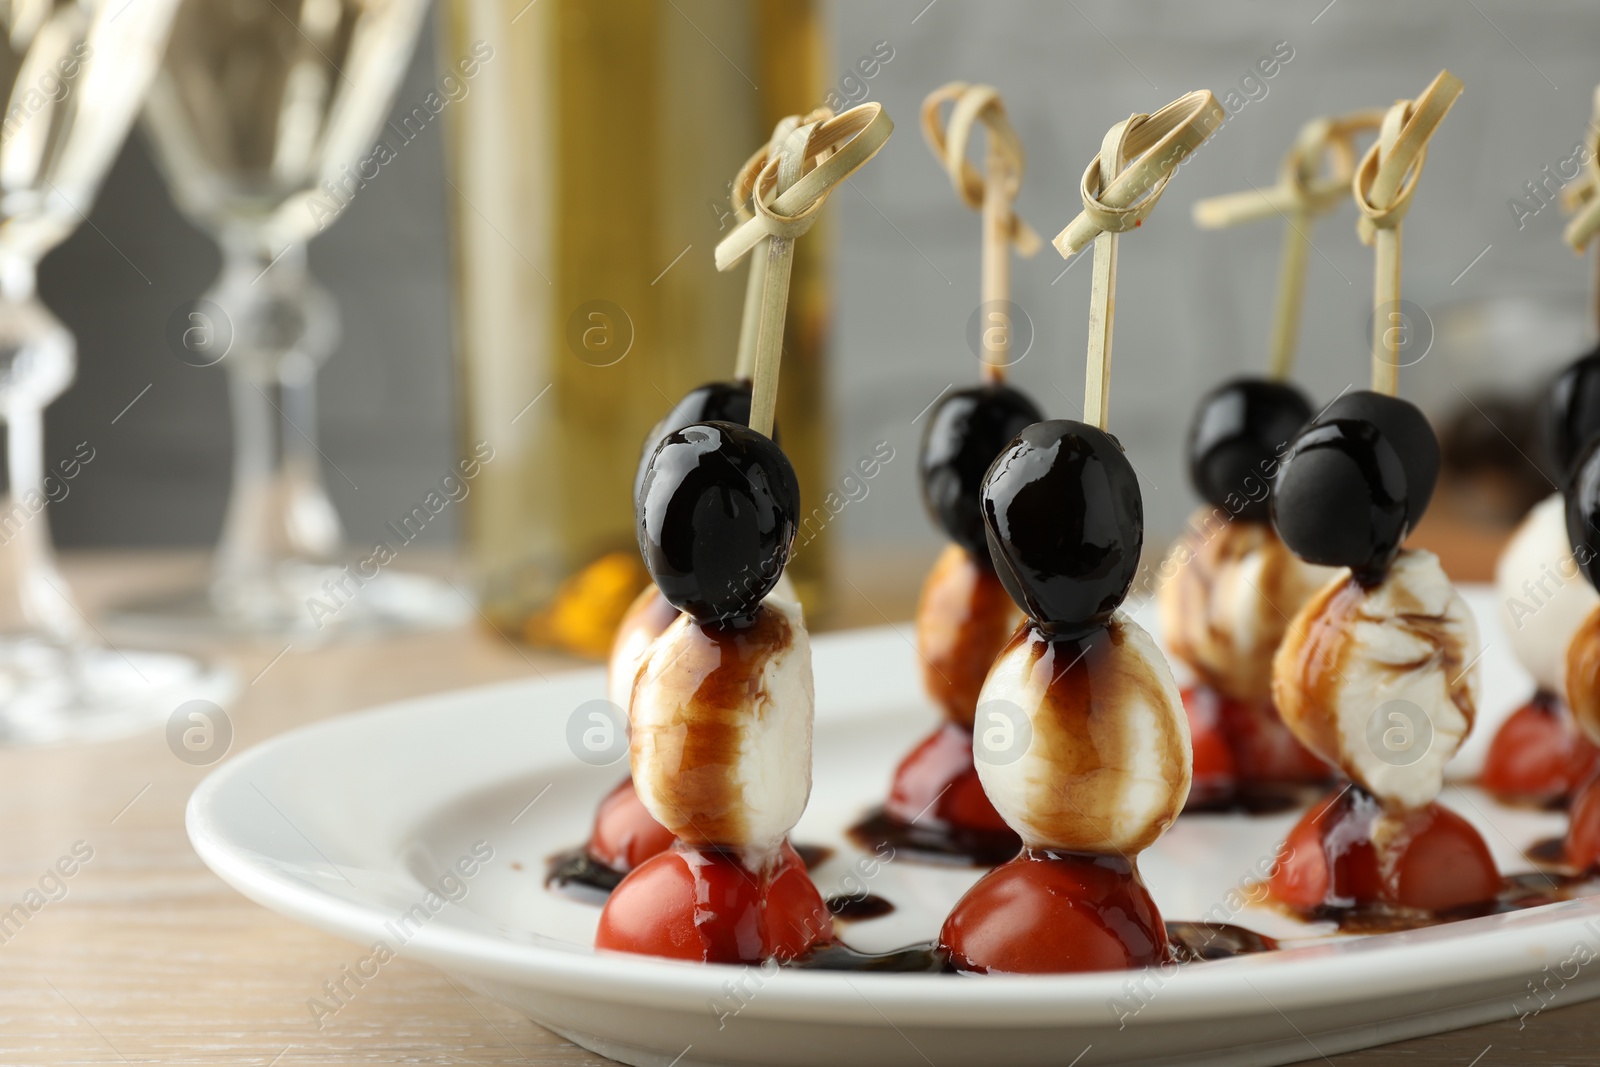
x=1313, y=180
x=976, y=104
x=1120, y=188
x=833, y=150
x=993, y=192
x=1156, y=144
x=741, y=194
x=1580, y=195
x=1580, y=198
x=786, y=192
x=1387, y=177
x=1303, y=186
x=744, y=182
x=1383, y=186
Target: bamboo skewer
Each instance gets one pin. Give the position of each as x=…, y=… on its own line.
x=1580, y=232
x=993, y=193
x=743, y=188
x=1383, y=186
x=1300, y=195
x=786, y=193
x=1119, y=189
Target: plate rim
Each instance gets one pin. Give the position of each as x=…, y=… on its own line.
x=1432, y=959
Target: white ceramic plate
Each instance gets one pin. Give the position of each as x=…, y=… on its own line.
x=346, y=825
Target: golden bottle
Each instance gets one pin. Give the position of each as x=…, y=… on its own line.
x=590, y=158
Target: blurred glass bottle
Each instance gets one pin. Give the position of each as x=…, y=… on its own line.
x=590, y=164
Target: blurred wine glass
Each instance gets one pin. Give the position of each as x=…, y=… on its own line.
x=75, y=72
x=263, y=118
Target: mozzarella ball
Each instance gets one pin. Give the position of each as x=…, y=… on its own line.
x=1082, y=744
x=1543, y=594
x=1383, y=682
x=1226, y=598
x=721, y=729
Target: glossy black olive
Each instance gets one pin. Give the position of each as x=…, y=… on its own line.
x=1406, y=429
x=711, y=402
x=966, y=430
x=1341, y=497
x=1583, y=511
x=1065, y=524
x=1571, y=416
x=717, y=517
x=1240, y=432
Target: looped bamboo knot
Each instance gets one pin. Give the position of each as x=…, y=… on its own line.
x=793, y=182
x=1141, y=152
x=1330, y=138
x=744, y=182
x=1580, y=196
x=975, y=104
x=1387, y=176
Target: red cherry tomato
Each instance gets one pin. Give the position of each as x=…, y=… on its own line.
x=1444, y=864
x=1436, y=860
x=1055, y=913
x=1583, y=829
x=1214, y=771
x=705, y=905
x=1303, y=877
x=1265, y=749
x=1539, y=756
x=625, y=833
x=937, y=783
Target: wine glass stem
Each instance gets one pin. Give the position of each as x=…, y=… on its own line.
x=279, y=510
x=45, y=599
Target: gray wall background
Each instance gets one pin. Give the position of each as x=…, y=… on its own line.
x=1193, y=306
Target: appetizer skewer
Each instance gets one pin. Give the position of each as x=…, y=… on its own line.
x=1083, y=747
x=1234, y=585
x=936, y=806
x=1378, y=674
x=722, y=706
x=624, y=834
x=1539, y=754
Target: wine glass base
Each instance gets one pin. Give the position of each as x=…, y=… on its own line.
x=50, y=693
x=305, y=602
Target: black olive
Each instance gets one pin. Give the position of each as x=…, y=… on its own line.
x=711, y=402
x=966, y=430
x=1406, y=429
x=1065, y=524
x=1571, y=415
x=1341, y=497
x=717, y=517
x=1240, y=432
x=1583, y=511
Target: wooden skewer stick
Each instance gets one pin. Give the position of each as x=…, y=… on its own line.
x=1300, y=195
x=1580, y=232
x=743, y=188
x=1383, y=186
x=1115, y=200
x=993, y=193
x=787, y=193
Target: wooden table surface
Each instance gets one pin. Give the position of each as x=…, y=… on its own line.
x=149, y=957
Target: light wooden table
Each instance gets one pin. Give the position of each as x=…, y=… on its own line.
x=150, y=958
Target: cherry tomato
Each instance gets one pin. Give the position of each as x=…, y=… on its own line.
x=1214, y=772
x=1583, y=830
x=625, y=833
x=1265, y=749
x=705, y=905
x=1436, y=860
x=1444, y=865
x=1539, y=756
x=937, y=783
x=1055, y=913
